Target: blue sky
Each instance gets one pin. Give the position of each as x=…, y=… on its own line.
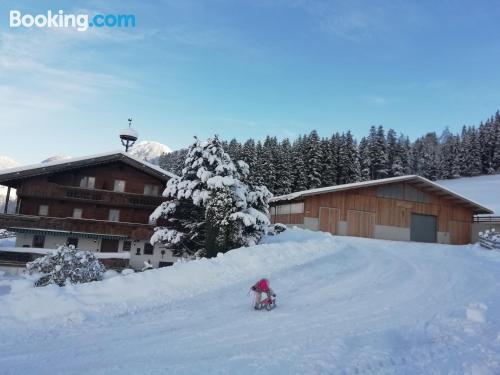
x=245, y=69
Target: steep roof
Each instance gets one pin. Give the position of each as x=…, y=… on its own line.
x=17, y=173
x=418, y=181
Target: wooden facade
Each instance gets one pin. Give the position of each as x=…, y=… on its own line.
x=364, y=210
x=113, y=194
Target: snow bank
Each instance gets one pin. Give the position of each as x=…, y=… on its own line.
x=118, y=295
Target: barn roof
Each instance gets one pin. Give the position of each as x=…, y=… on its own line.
x=17, y=173
x=417, y=181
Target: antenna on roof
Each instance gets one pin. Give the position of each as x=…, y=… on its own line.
x=128, y=136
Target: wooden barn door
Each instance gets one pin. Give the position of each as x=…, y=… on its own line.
x=360, y=223
x=329, y=219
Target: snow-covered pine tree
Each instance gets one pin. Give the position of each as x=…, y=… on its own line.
x=269, y=162
x=447, y=155
x=348, y=160
x=173, y=161
x=313, y=160
x=470, y=159
x=234, y=149
x=221, y=232
x=328, y=170
x=259, y=172
x=208, y=174
x=404, y=148
x=299, y=165
x=377, y=149
x=496, y=153
x=284, y=177
x=364, y=159
x=429, y=160
x=392, y=153
x=249, y=156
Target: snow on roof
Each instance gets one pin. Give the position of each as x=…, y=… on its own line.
x=70, y=161
x=357, y=185
x=129, y=132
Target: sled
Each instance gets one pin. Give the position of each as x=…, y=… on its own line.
x=267, y=304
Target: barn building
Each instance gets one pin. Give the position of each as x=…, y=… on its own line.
x=100, y=203
x=405, y=208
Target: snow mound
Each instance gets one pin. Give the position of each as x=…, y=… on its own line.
x=149, y=151
x=476, y=312
x=166, y=284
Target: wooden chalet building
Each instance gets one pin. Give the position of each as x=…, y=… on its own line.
x=406, y=208
x=100, y=203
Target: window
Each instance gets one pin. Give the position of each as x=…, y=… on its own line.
x=119, y=186
x=114, y=215
x=77, y=213
x=165, y=264
x=38, y=240
x=87, y=182
x=138, y=251
x=43, y=210
x=151, y=189
x=127, y=245
x=148, y=249
x=293, y=208
x=72, y=241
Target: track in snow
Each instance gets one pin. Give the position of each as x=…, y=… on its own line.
x=366, y=307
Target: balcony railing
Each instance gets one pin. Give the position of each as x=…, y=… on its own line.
x=104, y=197
x=486, y=219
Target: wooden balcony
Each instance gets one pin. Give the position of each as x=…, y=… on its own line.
x=94, y=196
x=134, y=231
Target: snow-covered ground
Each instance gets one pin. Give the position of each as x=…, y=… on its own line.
x=482, y=189
x=345, y=306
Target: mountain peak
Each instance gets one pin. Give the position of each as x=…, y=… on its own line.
x=149, y=151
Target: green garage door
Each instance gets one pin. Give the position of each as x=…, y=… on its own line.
x=423, y=228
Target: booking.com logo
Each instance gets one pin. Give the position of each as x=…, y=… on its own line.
x=82, y=22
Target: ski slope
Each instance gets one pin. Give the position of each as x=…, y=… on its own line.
x=345, y=306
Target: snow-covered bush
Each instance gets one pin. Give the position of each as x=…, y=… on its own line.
x=275, y=229
x=66, y=265
x=210, y=208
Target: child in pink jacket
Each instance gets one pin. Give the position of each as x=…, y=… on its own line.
x=262, y=286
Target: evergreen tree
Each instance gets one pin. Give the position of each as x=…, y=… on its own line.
x=249, y=156
x=348, y=160
x=221, y=232
x=313, y=161
x=364, y=159
x=208, y=176
x=328, y=170
x=284, y=176
x=392, y=154
x=299, y=175
x=377, y=151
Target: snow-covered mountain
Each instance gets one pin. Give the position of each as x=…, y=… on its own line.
x=6, y=162
x=149, y=151
x=56, y=158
